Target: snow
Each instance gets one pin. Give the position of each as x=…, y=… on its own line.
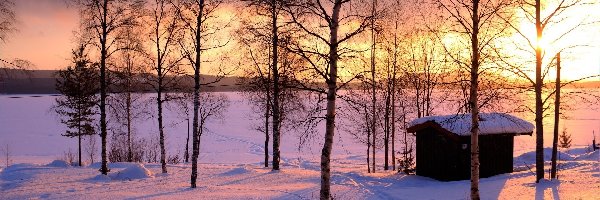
x=489, y=123
x=578, y=179
x=135, y=171
x=59, y=163
x=231, y=165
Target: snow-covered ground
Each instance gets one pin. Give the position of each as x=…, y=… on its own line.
x=231, y=165
x=579, y=179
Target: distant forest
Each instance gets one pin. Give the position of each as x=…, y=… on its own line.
x=44, y=82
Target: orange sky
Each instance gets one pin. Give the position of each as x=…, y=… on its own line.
x=45, y=33
x=46, y=28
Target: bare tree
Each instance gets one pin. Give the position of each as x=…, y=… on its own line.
x=91, y=148
x=277, y=79
x=6, y=154
x=126, y=103
x=8, y=19
x=200, y=35
x=320, y=22
x=478, y=22
x=165, y=31
x=373, y=86
x=103, y=19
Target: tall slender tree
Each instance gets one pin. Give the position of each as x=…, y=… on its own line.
x=126, y=103
x=556, y=119
x=309, y=17
x=164, y=33
x=477, y=22
x=373, y=87
x=199, y=36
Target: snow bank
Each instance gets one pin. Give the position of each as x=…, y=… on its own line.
x=236, y=171
x=489, y=123
x=137, y=171
x=529, y=157
x=59, y=163
x=20, y=166
x=591, y=156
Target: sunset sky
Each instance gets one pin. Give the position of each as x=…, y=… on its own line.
x=45, y=33
x=46, y=27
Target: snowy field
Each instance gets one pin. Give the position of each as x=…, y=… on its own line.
x=231, y=166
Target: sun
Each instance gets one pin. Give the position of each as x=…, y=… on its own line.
x=570, y=34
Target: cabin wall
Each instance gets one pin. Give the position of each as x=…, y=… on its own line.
x=442, y=158
x=437, y=156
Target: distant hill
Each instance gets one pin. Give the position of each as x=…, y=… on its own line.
x=44, y=81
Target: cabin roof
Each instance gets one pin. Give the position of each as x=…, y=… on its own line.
x=460, y=124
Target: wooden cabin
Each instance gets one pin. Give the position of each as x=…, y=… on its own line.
x=443, y=149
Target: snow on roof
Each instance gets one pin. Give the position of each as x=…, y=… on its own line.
x=489, y=123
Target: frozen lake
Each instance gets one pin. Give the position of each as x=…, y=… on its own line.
x=32, y=130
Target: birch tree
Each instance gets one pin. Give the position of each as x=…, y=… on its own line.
x=479, y=23
x=321, y=22
x=554, y=22
x=164, y=33
x=200, y=35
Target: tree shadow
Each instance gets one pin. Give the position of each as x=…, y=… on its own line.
x=543, y=185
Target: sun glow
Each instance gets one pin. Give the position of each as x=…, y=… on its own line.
x=575, y=33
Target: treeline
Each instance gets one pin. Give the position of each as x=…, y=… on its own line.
x=44, y=82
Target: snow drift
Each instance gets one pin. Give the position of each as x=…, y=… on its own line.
x=136, y=171
x=59, y=163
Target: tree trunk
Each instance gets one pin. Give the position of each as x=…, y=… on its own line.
x=394, y=114
x=159, y=101
x=539, y=126
x=79, y=137
x=267, y=114
x=196, y=136
x=474, y=104
x=187, y=141
x=556, y=119
x=373, y=84
x=325, y=192
x=103, y=87
x=129, y=151
x=276, y=112
x=368, y=139
x=386, y=120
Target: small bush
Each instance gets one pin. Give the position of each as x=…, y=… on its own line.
x=69, y=157
x=174, y=159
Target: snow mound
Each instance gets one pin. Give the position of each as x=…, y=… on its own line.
x=137, y=171
x=59, y=163
x=489, y=123
x=236, y=171
x=529, y=157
